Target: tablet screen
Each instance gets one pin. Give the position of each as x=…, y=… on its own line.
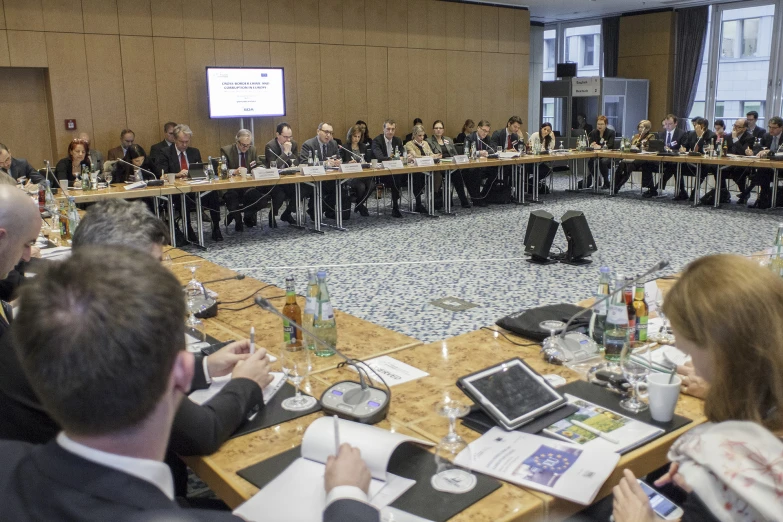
x=513, y=391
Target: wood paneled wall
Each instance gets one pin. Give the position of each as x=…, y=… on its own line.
x=647, y=51
x=113, y=64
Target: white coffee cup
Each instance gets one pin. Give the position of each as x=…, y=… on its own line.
x=172, y=178
x=374, y=163
x=663, y=395
x=64, y=183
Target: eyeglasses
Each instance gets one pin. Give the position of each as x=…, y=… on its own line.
x=326, y=131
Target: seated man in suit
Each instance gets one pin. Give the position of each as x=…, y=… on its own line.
x=601, y=138
x=740, y=143
x=17, y=167
x=241, y=159
x=770, y=143
x=671, y=136
x=505, y=139
x=176, y=160
x=282, y=152
x=324, y=149
x=96, y=157
x=115, y=382
x=158, y=151
x=384, y=147
x=752, y=117
x=127, y=137
x=478, y=141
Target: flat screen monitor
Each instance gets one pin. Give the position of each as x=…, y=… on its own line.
x=245, y=92
x=566, y=70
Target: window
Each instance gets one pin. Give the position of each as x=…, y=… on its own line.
x=550, y=54
x=583, y=47
x=728, y=39
x=588, y=45
x=719, y=109
x=750, y=37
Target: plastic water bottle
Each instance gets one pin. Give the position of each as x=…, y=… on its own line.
x=311, y=305
x=598, y=321
x=324, y=324
x=616, y=331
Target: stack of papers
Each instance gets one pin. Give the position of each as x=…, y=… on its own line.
x=218, y=383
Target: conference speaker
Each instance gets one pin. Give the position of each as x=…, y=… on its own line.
x=580, y=240
x=540, y=233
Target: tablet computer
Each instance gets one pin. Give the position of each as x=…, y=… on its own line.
x=196, y=171
x=512, y=393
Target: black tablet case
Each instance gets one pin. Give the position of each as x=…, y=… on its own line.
x=409, y=460
x=273, y=413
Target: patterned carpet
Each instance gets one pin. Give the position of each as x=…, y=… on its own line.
x=387, y=270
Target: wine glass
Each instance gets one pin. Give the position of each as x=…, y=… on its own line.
x=550, y=348
x=561, y=144
x=107, y=177
x=194, y=295
x=663, y=336
x=296, y=367
x=448, y=476
x=635, y=364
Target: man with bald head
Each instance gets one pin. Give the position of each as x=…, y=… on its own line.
x=20, y=223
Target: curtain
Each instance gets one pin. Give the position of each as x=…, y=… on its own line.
x=691, y=37
x=610, y=36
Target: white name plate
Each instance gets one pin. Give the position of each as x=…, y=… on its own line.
x=262, y=173
x=425, y=161
x=393, y=164
x=313, y=171
x=461, y=158
x=350, y=167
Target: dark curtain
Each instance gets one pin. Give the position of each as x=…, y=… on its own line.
x=610, y=36
x=691, y=37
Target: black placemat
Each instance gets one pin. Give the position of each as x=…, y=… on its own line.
x=273, y=413
x=409, y=460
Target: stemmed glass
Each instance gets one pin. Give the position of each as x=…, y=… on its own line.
x=107, y=177
x=296, y=367
x=663, y=336
x=635, y=363
x=194, y=291
x=561, y=145
x=448, y=476
x=551, y=349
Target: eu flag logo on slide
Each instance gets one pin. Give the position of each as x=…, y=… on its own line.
x=263, y=75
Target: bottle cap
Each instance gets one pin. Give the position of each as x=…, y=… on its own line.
x=604, y=269
x=321, y=273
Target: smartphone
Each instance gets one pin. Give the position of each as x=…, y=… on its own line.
x=663, y=507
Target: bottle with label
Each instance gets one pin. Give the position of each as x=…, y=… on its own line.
x=396, y=153
x=223, y=166
x=51, y=204
x=628, y=294
x=65, y=227
x=642, y=313
x=292, y=336
x=324, y=324
x=41, y=197
x=73, y=216
x=311, y=160
x=311, y=304
x=616, y=332
x=598, y=321
x=86, y=184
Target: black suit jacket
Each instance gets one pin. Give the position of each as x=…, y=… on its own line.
x=473, y=139
x=379, y=147
x=158, y=150
x=315, y=145
x=609, y=136
x=169, y=162
x=20, y=167
x=498, y=139
x=347, y=157
x=758, y=132
x=288, y=160
x=738, y=146
x=13, y=280
x=766, y=143
x=677, y=137
x=447, y=149
x=64, y=169
x=692, y=143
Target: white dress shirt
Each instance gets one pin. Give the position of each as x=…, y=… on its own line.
x=156, y=473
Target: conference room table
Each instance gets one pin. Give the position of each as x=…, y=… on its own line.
x=412, y=409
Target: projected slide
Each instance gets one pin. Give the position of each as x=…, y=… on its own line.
x=245, y=92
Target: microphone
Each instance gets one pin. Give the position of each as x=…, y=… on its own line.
x=281, y=159
x=352, y=153
x=551, y=353
x=356, y=395
x=238, y=277
x=49, y=172
x=487, y=144
x=141, y=169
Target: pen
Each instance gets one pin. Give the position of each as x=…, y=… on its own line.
x=336, y=435
x=594, y=431
x=252, y=340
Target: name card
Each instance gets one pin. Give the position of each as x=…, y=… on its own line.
x=351, y=167
x=586, y=86
x=424, y=161
x=262, y=173
x=461, y=158
x=393, y=164
x=313, y=171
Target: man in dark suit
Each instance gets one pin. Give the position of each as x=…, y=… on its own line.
x=671, y=136
x=384, y=147
x=283, y=152
x=740, y=143
x=127, y=137
x=770, y=143
x=752, y=118
x=17, y=167
x=158, y=151
x=478, y=141
x=508, y=138
x=324, y=149
x=106, y=464
x=241, y=159
x=176, y=160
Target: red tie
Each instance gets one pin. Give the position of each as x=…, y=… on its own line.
x=509, y=142
x=242, y=160
x=183, y=163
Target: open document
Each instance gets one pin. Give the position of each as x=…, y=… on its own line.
x=560, y=469
x=298, y=494
x=218, y=383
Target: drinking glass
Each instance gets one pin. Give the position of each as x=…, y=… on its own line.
x=194, y=293
x=448, y=476
x=107, y=177
x=296, y=367
x=663, y=336
x=551, y=346
x=635, y=364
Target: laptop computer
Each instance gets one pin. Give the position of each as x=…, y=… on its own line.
x=196, y=171
x=656, y=146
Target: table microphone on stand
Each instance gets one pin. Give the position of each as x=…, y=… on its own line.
x=359, y=402
x=153, y=183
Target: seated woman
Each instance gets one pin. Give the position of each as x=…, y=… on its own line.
x=70, y=169
x=467, y=129
x=139, y=161
x=626, y=167
x=725, y=312
x=418, y=147
x=366, y=139
x=699, y=140
x=601, y=138
x=440, y=144
x=361, y=187
x=545, y=139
